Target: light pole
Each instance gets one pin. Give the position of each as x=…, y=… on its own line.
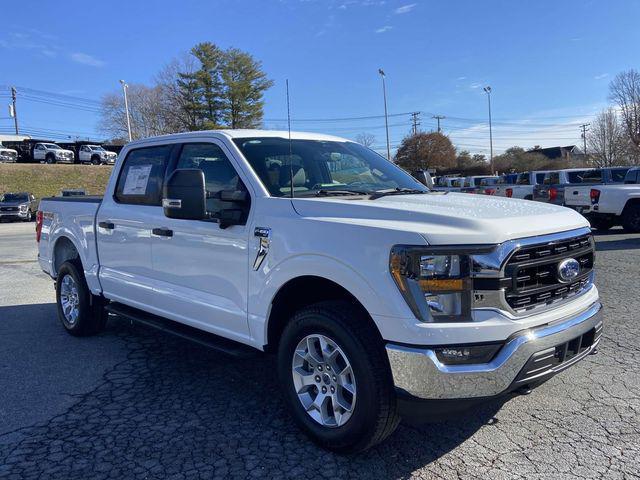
x=386, y=119
x=487, y=90
x=126, y=106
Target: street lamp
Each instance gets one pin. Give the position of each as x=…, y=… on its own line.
x=487, y=90
x=386, y=119
x=126, y=106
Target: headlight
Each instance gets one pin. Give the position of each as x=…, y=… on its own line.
x=23, y=208
x=436, y=285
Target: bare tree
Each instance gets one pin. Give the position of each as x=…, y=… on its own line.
x=146, y=109
x=624, y=90
x=365, y=139
x=607, y=139
x=176, y=99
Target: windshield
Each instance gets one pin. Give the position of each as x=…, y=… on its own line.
x=321, y=166
x=15, y=197
x=52, y=146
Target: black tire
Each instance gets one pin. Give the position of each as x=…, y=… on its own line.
x=374, y=415
x=602, y=224
x=631, y=218
x=95, y=160
x=92, y=317
x=50, y=159
x=528, y=197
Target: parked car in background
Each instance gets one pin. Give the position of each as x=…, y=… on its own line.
x=52, y=153
x=522, y=186
x=488, y=186
x=473, y=184
x=503, y=182
x=96, y=155
x=553, y=188
x=379, y=297
x=608, y=205
x=18, y=206
x=448, y=184
x=8, y=155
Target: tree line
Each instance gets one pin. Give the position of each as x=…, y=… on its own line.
x=206, y=88
x=613, y=139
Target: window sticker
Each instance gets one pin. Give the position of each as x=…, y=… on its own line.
x=137, y=180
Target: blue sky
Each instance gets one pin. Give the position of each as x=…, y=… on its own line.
x=549, y=63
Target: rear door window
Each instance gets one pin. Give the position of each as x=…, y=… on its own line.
x=585, y=176
x=142, y=176
x=552, y=178
x=618, y=174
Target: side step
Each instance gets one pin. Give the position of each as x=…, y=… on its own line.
x=206, y=339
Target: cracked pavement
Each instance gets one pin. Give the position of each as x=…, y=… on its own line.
x=134, y=403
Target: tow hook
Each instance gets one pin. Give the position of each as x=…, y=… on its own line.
x=594, y=351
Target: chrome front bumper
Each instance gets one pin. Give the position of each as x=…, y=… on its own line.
x=418, y=372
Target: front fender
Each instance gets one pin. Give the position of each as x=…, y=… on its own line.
x=266, y=284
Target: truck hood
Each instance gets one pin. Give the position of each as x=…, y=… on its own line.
x=446, y=218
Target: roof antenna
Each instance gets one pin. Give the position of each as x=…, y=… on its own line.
x=290, y=147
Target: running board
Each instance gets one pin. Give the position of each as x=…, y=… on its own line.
x=205, y=339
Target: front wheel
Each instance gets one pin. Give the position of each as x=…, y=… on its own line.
x=336, y=377
x=80, y=312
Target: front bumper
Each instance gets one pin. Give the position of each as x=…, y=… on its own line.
x=14, y=215
x=527, y=358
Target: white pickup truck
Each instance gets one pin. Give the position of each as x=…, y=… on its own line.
x=8, y=155
x=379, y=297
x=96, y=155
x=52, y=153
x=522, y=187
x=608, y=205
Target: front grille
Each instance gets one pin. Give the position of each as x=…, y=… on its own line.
x=532, y=272
x=9, y=209
x=543, y=364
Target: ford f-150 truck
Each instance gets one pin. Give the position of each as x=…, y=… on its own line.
x=379, y=297
x=608, y=205
x=522, y=187
x=555, y=183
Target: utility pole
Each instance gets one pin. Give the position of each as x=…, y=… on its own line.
x=13, y=108
x=126, y=106
x=415, y=119
x=487, y=90
x=386, y=119
x=438, y=118
x=584, y=127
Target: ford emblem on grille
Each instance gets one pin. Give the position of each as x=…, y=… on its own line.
x=568, y=270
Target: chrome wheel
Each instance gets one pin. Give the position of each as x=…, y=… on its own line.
x=324, y=380
x=69, y=299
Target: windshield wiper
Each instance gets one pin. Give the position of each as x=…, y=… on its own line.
x=328, y=193
x=397, y=191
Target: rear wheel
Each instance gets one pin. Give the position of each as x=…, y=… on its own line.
x=631, y=218
x=80, y=312
x=336, y=378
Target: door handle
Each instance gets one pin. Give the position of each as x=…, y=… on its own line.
x=107, y=225
x=162, y=232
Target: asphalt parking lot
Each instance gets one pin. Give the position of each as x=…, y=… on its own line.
x=133, y=403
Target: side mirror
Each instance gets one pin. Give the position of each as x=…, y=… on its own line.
x=184, y=195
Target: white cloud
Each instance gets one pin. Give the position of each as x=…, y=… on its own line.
x=475, y=86
x=601, y=76
x=384, y=29
x=405, y=8
x=86, y=59
x=461, y=78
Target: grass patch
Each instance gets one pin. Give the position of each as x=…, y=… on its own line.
x=47, y=180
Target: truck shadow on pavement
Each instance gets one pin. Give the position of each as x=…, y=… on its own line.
x=177, y=410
